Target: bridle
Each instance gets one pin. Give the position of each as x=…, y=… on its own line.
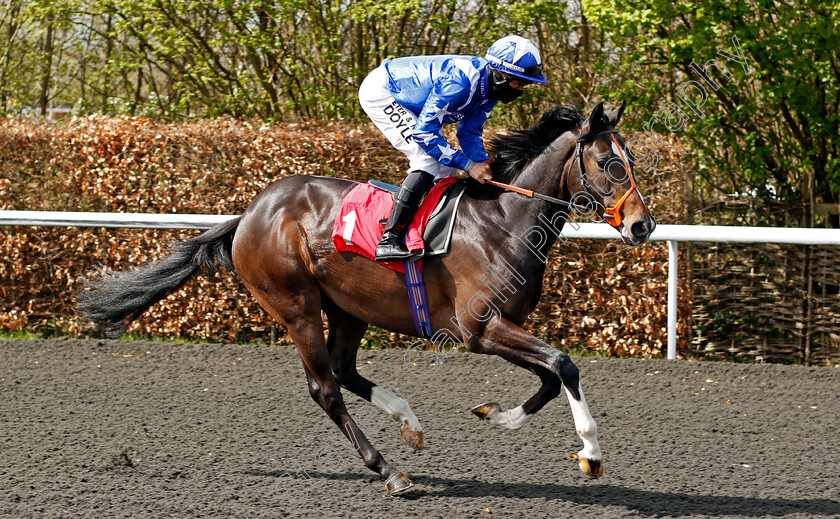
x=612, y=215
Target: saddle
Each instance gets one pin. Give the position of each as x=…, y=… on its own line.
x=365, y=210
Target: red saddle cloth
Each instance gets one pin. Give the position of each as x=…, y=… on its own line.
x=358, y=229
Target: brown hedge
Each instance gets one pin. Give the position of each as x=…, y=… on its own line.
x=599, y=295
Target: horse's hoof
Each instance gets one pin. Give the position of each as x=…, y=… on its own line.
x=411, y=436
x=398, y=483
x=594, y=468
x=487, y=410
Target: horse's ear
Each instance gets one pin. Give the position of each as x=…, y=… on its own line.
x=594, y=121
x=597, y=113
x=615, y=115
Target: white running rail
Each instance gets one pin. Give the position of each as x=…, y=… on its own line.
x=668, y=233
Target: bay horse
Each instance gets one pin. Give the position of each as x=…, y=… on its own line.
x=481, y=292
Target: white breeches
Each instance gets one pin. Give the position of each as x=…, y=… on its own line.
x=397, y=123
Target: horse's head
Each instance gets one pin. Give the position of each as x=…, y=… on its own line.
x=601, y=171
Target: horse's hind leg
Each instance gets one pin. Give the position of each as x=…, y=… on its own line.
x=303, y=322
x=346, y=333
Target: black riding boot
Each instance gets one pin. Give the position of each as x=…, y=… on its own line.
x=406, y=202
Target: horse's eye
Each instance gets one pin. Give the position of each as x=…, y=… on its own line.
x=603, y=162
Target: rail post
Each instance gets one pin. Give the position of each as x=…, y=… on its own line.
x=673, y=272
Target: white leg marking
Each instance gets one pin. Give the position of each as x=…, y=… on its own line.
x=512, y=418
x=585, y=426
x=396, y=407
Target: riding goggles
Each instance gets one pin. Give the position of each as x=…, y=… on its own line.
x=532, y=71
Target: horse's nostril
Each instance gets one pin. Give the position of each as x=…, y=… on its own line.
x=641, y=229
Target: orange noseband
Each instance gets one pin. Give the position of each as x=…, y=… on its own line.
x=612, y=215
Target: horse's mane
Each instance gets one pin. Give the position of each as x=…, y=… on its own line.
x=513, y=151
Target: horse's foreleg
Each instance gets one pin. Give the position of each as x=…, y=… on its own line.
x=518, y=416
x=589, y=458
x=555, y=370
x=346, y=333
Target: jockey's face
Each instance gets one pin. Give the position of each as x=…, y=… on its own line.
x=516, y=82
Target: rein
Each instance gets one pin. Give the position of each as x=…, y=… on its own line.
x=612, y=215
x=530, y=194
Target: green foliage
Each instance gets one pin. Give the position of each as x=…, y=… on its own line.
x=21, y=335
x=771, y=128
x=287, y=60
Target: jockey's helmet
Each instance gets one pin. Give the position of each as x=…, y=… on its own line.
x=516, y=56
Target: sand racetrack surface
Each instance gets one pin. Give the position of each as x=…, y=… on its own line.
x=110, y=429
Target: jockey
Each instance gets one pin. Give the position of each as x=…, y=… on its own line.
x=409, y=99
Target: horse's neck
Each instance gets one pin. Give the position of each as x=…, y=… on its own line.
x=544, y=173
x=517, y=232
x=539, y=219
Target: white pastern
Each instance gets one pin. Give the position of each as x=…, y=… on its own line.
x=512, y=418
x=585, y=426
x=396, y=407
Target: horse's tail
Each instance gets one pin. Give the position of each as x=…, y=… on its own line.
x=115, y=299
